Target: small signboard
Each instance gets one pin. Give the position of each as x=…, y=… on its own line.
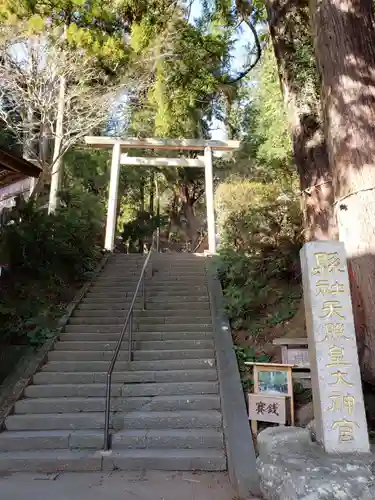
x=272, y=385
x=265, y=408
x=298, y=357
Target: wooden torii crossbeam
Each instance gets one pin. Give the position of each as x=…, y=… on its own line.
x=119, y=144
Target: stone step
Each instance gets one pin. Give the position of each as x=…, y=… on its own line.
x=162, y=459
x=139, y=345
x=118, y=404
x=159, y=276
x=131, y=420
x=49, y=440
x=177, y=278
x=156, y=301
x=55, y=421
x=152, y=355
x=127, y=377
x=137, y=336
x=110, y=295
x=111, y=320
x=124, y=305
x=126, y=390
x=175, y=268
x=168, y=438
x=148, y=314
x=119, y=272
x=174, y=260
x=48, y=461
x=144, y=328
x=141, y=329
x=152, y=290
x=102, y=366
x=154, y=284
x=134, y=269
x=153, y=275
x=160, y=295
x=167, y=420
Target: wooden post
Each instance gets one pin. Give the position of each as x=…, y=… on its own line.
x=209, y=185
x=110, y=229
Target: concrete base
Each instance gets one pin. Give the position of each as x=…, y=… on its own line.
x=292, y=467
x=136, y=485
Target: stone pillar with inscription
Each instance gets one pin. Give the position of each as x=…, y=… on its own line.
x=336, y=381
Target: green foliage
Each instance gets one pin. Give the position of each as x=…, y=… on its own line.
x=259, y=117
x=245, y=354
x=142, y=227
x=260, y=238
x=185, y=83
x=39, y=244
x=271, y=125
x=257, y=218
x=90, y=26
x=45, y=256
x=89, y=169
x=186, y=67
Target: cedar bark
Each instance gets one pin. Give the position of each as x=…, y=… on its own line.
x=291, y=35
x=344, y=39
x=188, y=209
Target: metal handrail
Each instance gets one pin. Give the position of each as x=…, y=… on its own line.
x=128, y=323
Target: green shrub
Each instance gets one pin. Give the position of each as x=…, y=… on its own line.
x=260, y=237
x=141, y=228
x=46, y=257
x=245, y=354
x=64, y=245
x=256, y=217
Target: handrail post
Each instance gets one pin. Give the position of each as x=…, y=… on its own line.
x=143, y=293
x=130, y=355
x=158, y=239
x=107, y=411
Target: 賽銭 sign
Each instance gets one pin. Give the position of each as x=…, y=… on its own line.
x=266, y=408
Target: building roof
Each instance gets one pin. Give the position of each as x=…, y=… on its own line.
x=14, y=168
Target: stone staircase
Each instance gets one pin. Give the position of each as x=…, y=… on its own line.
x=165, y=410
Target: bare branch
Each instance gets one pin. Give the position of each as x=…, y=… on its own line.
x=31, y=68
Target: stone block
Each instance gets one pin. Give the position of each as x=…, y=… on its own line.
x=335, y=375
x=292, y=467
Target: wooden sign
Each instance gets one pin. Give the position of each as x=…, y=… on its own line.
x=297, y=357
x=267, y=408
x=272, y=381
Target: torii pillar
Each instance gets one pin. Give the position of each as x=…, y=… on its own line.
x=110, y=229
x=210, y=205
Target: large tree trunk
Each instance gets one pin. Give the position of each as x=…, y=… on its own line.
x=291, y=38
x=192, y=223
x=345, y=50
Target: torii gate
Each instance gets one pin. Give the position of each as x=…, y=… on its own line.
x=118, y=144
